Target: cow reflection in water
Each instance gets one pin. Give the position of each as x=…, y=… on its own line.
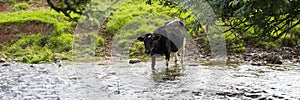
x=167, y=74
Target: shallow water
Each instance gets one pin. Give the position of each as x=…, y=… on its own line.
x=120, y=80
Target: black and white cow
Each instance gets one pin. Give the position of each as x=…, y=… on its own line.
x=164, y=40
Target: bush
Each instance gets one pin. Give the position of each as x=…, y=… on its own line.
x=61, y=43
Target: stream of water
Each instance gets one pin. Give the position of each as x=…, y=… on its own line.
x=122, y=81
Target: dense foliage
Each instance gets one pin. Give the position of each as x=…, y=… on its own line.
x=250, y=20
x=270, y=18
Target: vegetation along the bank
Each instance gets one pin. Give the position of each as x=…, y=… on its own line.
x=35, y=35
x=42, y=30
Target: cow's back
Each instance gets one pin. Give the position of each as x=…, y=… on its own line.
x=174, y=32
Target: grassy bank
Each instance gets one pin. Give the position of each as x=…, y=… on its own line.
x=36, y=47
x=40, y=35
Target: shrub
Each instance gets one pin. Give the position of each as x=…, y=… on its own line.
x=60, y=43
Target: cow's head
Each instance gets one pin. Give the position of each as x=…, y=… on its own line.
x=149, y=41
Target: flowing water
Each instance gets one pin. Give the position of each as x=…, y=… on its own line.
x=119, y=80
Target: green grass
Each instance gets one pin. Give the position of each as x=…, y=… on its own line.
x=61, y=23
x=39, y=48
x=29, y=49
x=131, y=9
x=42, y=48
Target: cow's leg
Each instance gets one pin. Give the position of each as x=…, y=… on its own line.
x=167, y=59
x=176, y=57
x=182, y=53
x=153, y=58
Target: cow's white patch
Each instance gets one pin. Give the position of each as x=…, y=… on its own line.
x=149, y=36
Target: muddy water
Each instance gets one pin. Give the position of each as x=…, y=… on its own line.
x=120, y=80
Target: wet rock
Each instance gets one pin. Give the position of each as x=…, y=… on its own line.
x=263, y=98
x=102, y=64
x=253, y=95
x=2, y=60
x=133, y=61
x=256, y=64
x=75, y=78
x=3, y=56
x=6, y=64
x=197, y=93
x=278, y=97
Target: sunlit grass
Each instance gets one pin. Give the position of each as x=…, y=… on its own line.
x=60, y=22
x=40, y=47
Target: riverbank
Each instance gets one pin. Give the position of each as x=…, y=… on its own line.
x=37, y=34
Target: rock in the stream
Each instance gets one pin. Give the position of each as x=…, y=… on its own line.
x=2, y=60
x=133, y=61
x=6, y=64
x=3, y=56
x=255, y=64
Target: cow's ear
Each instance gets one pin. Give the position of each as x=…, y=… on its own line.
x=157, y=37
x=140, y=38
